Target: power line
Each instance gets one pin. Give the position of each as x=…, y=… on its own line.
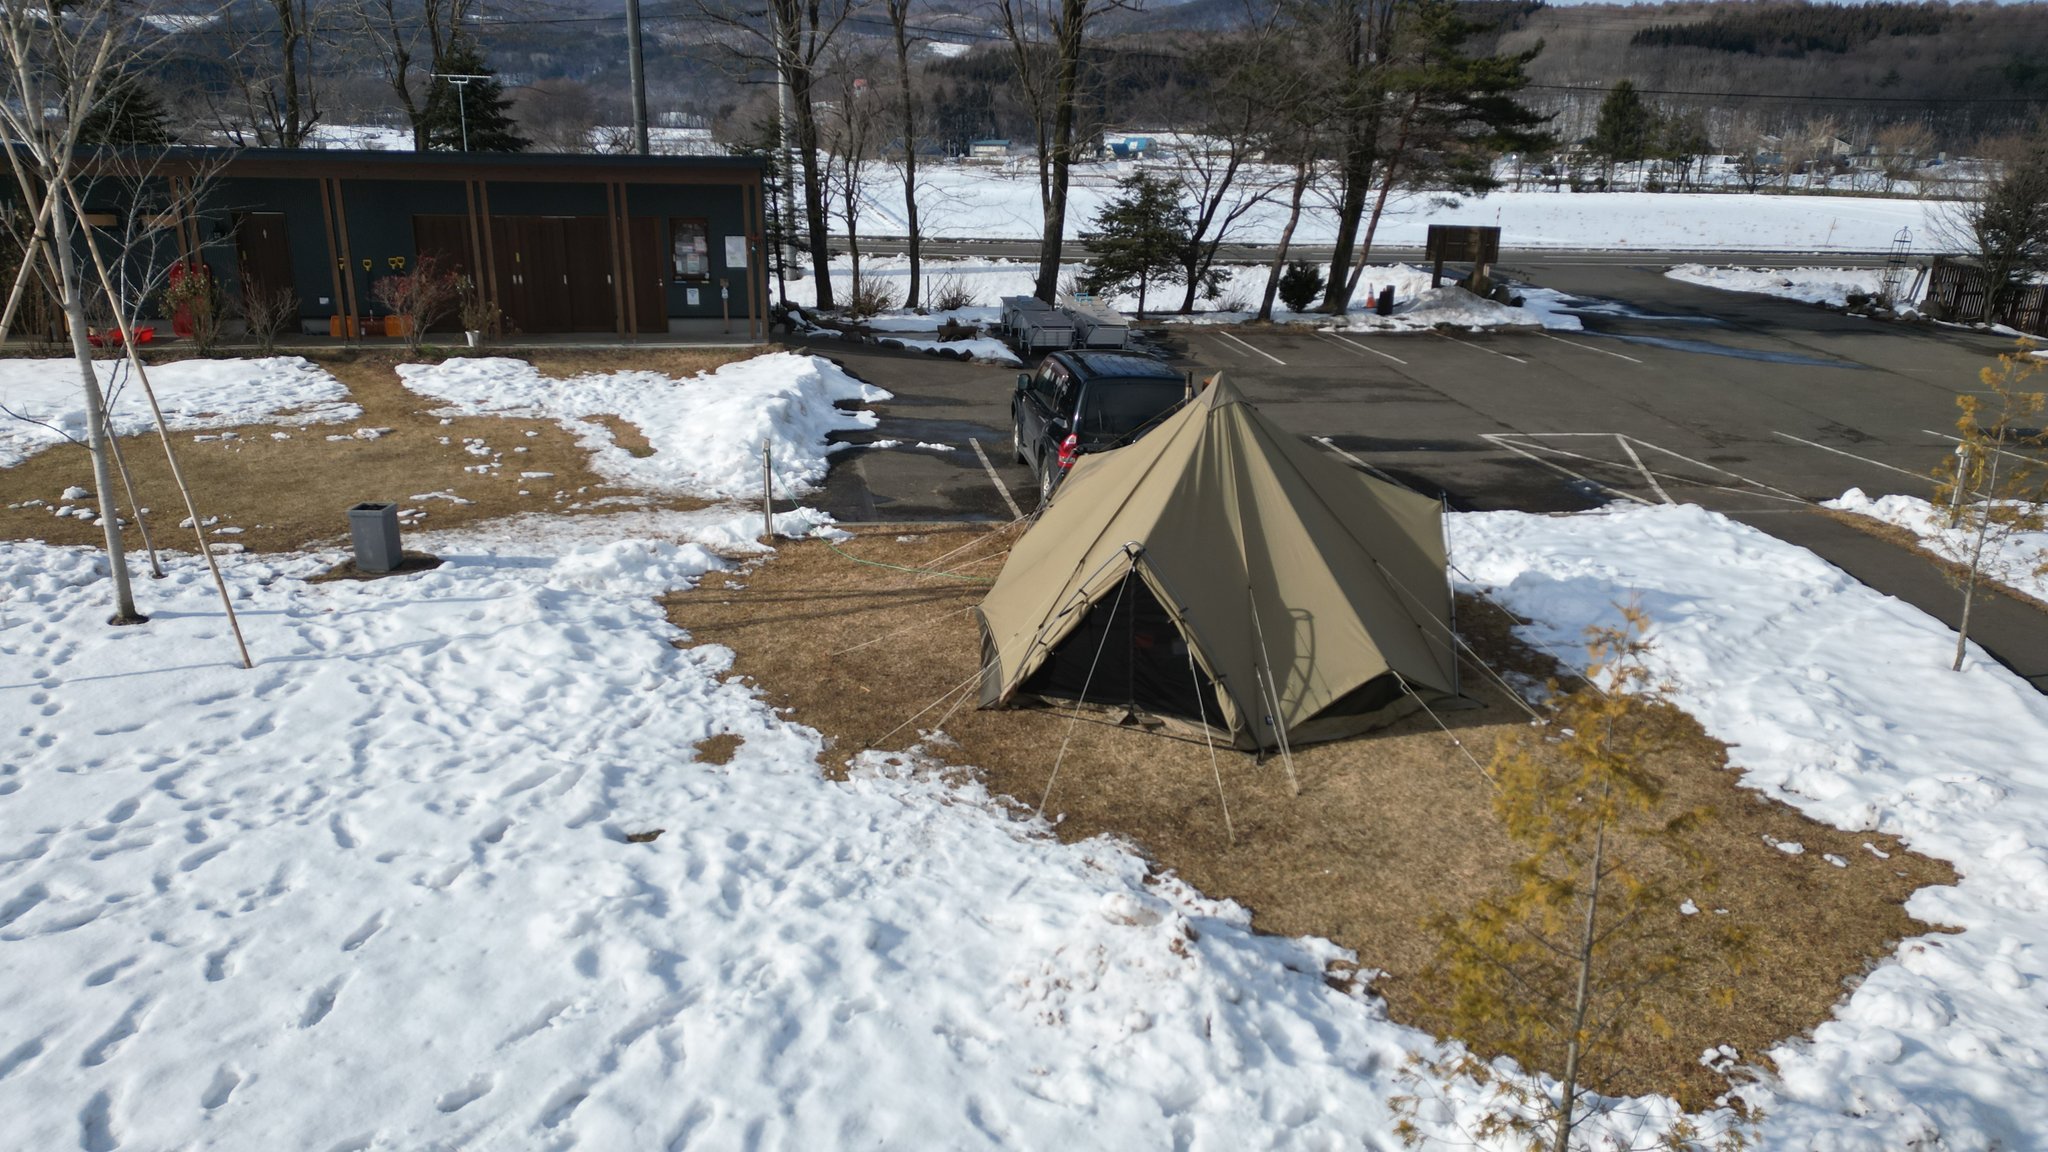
x=1596, y=90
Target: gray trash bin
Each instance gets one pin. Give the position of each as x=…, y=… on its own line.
x=373, y=525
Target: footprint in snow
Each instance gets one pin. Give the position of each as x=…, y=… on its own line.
x=478, y=1087
x=225, y=1081
x=320, y=1004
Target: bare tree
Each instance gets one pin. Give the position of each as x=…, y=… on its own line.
x=1214, y=165
x=1046, y=40
x=1901, y=149
x=411, y=37
x=2001, y=221
x=794, y=41
x=279, y=95
x=57, y=62
x=851, y=132
x=909, y=123
x=559, y=116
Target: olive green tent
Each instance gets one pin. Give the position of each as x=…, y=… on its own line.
x=1221, y=571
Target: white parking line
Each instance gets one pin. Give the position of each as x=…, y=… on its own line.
x=1954, y=440
x=1229, y=349
x=1500, y=441
x=1589, y=348
x=1647, y=477
x=1001, y=488
x=1778, y=492
x=1482, y=348
x=1357, y=345
x=1260, y=351
x=1325, y=442
x=1853, y=456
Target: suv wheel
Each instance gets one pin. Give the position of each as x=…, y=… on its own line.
x=1048, y=479
x=1017, y=438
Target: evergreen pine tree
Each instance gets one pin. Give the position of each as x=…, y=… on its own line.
x=1138, y=239
x=127, y=113
x=481, y=103
x=1627, y=128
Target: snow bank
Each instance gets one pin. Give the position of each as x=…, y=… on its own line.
x=706, y=431
x=1831, y=286
x=193, y=394
x=986, y=348
x=1456, y=308
x=2012, y=562
x=1839, y=701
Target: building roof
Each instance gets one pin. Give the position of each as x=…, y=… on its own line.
x=525, y=167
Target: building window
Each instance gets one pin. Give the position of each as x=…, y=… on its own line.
x=689, y=249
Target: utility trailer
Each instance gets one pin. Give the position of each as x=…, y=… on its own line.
x=1096, y=325
x=1035, y=326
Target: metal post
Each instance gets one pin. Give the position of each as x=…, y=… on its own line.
x=1955, y=502
x=767, y=496
x=462, y=110
x=638, y=68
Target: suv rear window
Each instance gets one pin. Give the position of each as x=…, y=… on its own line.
x=1116, y=407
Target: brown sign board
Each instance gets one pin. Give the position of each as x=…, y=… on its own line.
x=1462, y=244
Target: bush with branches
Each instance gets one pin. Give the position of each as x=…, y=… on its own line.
x=949, y=293
x=193, y=294
x=268, y=310
x=873, y=296
x=420, y=298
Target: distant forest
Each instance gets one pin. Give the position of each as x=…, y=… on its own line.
x=1797, y=30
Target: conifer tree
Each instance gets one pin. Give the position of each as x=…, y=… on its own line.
x=1626, y=128
x=1996, y=483
x=1139, y=238
x=1552, y=967
x=127, y=113
x=481, y=104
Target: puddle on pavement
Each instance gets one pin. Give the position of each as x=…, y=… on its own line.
x=1708, y=349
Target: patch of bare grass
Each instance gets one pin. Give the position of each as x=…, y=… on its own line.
x=718, y=748
x=1387, y=829
x=289, y=493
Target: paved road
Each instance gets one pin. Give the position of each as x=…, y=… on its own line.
x=1745, y=404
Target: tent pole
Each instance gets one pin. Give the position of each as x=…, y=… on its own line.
x=1216, y=770
x=1443, y=513
x=1273, y=693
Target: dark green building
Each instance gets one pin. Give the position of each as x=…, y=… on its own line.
x=620, y=245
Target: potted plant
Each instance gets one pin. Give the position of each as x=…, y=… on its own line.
x=479, y=314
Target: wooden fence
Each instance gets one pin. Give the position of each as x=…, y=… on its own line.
x=1956, y=290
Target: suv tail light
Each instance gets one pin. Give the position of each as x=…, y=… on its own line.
x=1067, y=449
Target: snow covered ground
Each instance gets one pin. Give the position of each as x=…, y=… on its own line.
x=986, y=202
x=706, y=431
x=380, y=892
x=2012, y=562
x=45, y=406
x=1831, y=286
x=1417, y=306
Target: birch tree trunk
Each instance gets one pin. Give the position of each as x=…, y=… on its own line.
x=97, y=432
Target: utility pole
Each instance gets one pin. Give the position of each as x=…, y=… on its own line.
x=638, y=67
x=461, y=85
x=790, y=251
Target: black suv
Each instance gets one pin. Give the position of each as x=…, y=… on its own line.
x=1086, y=402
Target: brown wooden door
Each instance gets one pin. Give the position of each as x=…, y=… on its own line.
x=509, y=239
x=650, y=277
x=262, y=251
x=587, y=274
x=547, y=274
x=444, y=239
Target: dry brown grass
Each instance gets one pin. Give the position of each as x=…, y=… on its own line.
x=288, y=494
x=1386, y=830
x=718, y=748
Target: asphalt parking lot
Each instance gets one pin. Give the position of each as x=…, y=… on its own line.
x=1750, y=405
